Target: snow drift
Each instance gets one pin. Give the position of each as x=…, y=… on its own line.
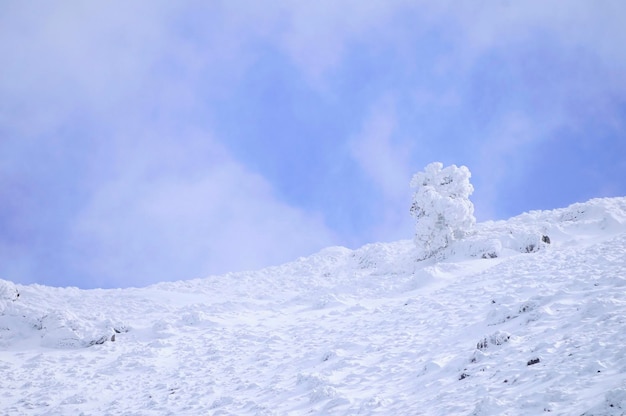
x=519, y=317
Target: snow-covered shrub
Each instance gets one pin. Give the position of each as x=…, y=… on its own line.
x=481, y=246
x=496, y=239
x=441, y=207
x=497, y=338
x=383, y=259
x=64, y=329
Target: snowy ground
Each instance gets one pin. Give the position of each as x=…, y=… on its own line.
x=345, y=332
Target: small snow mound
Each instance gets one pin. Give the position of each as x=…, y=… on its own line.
x=195, y=317
x=497, y=338
x=63, y=329
x=327, y=301
x=163, y=328
x=492, y=240
x=373, y=403
x=489, y=406
x=600, y=211
x=327, y=257
x=429, y=367
x=501, y=313
x=317, y=386
x=384, y=258
x=614, y=404
x=221, y=402
x=324, y=262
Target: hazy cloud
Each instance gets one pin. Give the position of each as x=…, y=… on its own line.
x=162, y=226
x=385, y=159
x=112, y=151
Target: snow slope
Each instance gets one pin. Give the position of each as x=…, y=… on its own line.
x=502, y=323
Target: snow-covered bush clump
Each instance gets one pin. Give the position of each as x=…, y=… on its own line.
x=383, y=259
x=535, y=231
x=28, y=314
x=64, y=329
x=600, y=213
x=441, y=207
x=494, y=239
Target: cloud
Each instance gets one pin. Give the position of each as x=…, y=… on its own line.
x=161, y=224
x=505, y=155
x=317, y=35
x=385, y=159
x=110, y=126
x=111, y=139
x=494, y=24
x=382, y=158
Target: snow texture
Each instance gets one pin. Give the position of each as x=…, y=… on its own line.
x=525, y=331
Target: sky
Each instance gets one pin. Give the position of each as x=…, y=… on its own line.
x=154, y=141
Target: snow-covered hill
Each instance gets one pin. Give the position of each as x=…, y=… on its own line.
x=524, y=317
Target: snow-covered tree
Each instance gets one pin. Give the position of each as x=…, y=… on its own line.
x=441, y=207
x=8, y=294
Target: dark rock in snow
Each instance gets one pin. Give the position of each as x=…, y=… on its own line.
x=533, y=361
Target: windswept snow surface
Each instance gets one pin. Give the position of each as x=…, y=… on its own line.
x=532, y=328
